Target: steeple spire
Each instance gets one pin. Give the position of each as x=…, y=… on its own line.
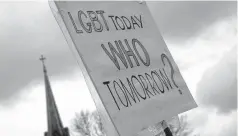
x=55, y=126
x=42, y=59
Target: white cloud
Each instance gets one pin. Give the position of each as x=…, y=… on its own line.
x=230, y=126
x=218, y=87
x=214, y=123
x=198, y=54
x=194, y=58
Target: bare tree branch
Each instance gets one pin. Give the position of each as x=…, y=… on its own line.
x=90, y=124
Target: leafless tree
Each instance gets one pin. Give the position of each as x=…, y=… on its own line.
x=184, y=129
x=82, y=124
x=90, y=124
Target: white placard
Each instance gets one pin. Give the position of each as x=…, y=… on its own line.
x=127, y=62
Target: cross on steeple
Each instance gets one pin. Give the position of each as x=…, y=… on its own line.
x=42, y=59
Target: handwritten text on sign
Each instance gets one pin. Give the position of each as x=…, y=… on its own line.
x=95, y=21
x=125, y=55
x=152, y=83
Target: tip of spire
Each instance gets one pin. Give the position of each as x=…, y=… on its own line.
x=42, y=59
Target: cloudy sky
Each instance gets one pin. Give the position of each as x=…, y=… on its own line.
x=200, y=35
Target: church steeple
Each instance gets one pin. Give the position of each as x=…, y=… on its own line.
x=55, y=126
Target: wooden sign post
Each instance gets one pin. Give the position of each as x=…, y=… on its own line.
x=128, y=68
x=166, y=129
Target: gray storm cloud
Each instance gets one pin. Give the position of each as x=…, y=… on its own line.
x=28, y=29
x=218, y=86
x=180, y=20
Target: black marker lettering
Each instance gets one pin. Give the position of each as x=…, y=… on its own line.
x=94, y=18
x=122, y=26
x=152, y=85
x=113, y=21
x=115, y=83
x=128, y=24
x=114, y=52
x=131, y=93
x=101, y=12
x=134, y=77
x=153, y=77
x=132, y=89
x=134, y=22
x=89, y=29
x=163, y=56
x=106, y=83
x=145, y=85
x=140, y=20
x=147, y=57
x=164, y=79
x=129, y=53
x=75, y=27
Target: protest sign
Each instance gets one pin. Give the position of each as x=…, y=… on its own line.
x=125, y=61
